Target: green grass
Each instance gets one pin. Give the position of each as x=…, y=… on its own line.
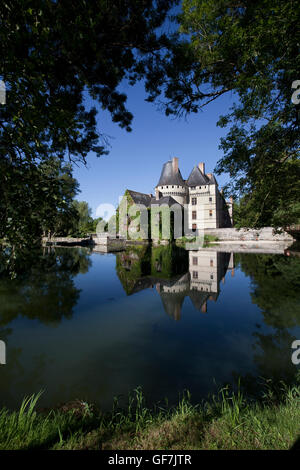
x=210, y=238
x=183, y=240
x=227, y=421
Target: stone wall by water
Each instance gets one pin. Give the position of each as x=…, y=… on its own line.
x=264, y=234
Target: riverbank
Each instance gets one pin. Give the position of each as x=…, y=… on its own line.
x=226, y=422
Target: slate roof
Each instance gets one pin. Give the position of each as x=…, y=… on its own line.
x=197, y=178
x=167, y=200
x=172, y=303
x=198, y=298
x=140, y=198
x=147, y=200
x=169, y=176
x=212, y=180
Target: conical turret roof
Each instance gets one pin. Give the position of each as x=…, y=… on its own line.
x=197, y=178
x=170, y=176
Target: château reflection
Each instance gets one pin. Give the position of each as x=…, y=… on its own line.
x=70, y=330
x=175, y=273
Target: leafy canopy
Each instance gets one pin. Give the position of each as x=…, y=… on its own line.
x=53, y=55
x=52, y=52
x=251, y=50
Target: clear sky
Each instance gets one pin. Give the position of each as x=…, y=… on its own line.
x=136, y=158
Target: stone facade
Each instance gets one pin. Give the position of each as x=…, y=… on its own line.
x=203, y=205
x=207, y=207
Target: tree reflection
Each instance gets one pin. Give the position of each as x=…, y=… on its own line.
x=276, y=287
x=47, y=292
x=276, y=291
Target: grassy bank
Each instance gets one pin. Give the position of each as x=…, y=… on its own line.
x=226, y=422
x=208, y=240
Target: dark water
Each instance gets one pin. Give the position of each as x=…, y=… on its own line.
x=93, y=326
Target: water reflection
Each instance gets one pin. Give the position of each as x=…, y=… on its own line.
x=275, y=289
x=175, y=273
x=47, y=292
x=85, y=325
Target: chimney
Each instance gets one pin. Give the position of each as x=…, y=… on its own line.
x=221, y=191
x=202, y=167
x=175, y=164
x=157, y=194
x=209, y=175
x=204, y=308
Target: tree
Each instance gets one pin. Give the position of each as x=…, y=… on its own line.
x=83, y=223
x=34, y=199
x=62, y=215
x=249, y=49
x=52, y=56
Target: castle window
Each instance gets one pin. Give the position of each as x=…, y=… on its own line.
x=195, y=274
x=211, y=262
x=194, y=215
x=194, y=227
x=195, y=261
x=194, y=201
x=193, y=187
x=210, y=213
x=211, y=276
x=210, y=199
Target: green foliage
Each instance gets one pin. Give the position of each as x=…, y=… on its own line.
x=54, y=52
x=276, y=287
x=83, y=223
x=44, y=289
x=34, y=199
x=227, y=421
x=140, y=266
x=210, y=238
x=53, y=56
x=251, y=50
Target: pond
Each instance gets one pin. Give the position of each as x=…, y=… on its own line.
x=94, y=326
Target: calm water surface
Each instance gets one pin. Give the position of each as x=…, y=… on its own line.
x=93, y=326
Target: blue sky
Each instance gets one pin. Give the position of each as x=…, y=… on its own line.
x=136, y=158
